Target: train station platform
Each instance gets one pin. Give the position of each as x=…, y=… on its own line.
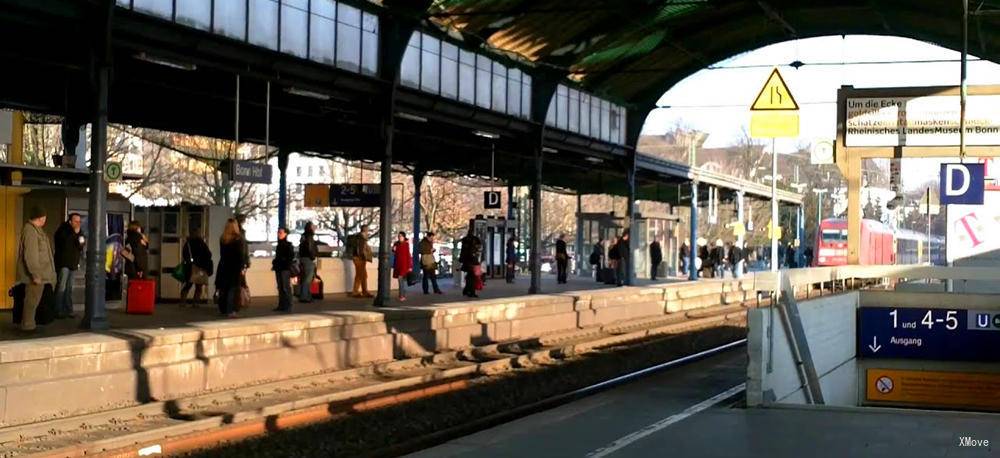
x=180, y=352
x=171, y=314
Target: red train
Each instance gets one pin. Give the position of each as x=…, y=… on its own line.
x=878, y=245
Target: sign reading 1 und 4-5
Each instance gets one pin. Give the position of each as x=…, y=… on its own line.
x=926, y=333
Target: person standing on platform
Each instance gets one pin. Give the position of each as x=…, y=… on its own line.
x=229, y=274
x=655, y=258
x=471, y=258
x=69, y=243
x=706, y=260
x=428, y=264
x=402, y=263
x=241, y=220
x=718, y=256
x=137, y=245
x=807, y=254
x=510, y=259
x=685, y=254
x=361, y=255
x=597, y=259
x=284, y=256
x=562, y=259
x=307, y=259
x=198, y=260
x=35, y=267
x=624, y=254
x=736, y=259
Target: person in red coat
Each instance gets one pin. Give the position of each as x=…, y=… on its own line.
x=403, y=262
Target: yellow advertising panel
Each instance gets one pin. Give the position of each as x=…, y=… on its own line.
x=969, y=390
x=317, y=195
x=774, y=124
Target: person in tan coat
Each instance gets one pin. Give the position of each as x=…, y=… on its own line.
x=35, y=265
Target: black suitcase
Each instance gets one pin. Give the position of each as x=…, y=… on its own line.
x=609, y=276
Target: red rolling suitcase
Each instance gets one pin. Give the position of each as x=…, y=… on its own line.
x=316, y=288
x=141, y=297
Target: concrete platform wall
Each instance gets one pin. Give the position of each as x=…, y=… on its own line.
x=63, y=376
x=830, y=328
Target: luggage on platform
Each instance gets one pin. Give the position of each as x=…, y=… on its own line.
x=609, y=276
x=141, y=298
x=316, y=288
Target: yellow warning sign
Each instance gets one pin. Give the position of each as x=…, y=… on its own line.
x=969, y=390
x=774, y=95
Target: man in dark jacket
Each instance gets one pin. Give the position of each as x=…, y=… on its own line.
x=470, y=257
x=284, y=256
x=655, y=258
x=736, y=257
x=307, y=258
x=685, y=256
x=68, y=246
x=624, y=255
x=562, y=259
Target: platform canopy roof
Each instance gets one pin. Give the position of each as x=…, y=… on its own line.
x=632, y=51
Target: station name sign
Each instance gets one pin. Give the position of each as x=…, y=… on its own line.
x=251, y=172
x=921, y=121
x=343, y=195
x=928, y=333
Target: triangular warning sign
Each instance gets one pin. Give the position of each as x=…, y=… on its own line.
x=774, y=95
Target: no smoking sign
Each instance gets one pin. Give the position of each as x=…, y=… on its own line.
x=883, y=384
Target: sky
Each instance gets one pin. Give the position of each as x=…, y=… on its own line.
x=717, y=100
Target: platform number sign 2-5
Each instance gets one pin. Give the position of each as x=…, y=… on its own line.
x=491, y=200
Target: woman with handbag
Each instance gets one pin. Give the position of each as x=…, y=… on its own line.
x=229, y=281
x=402, y=263
x=197, y=265
x=135, y=252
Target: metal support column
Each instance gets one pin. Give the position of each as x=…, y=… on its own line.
x=536, y=218
x=578, y=251
x=95, y=313
x=283, y=188
x=510, y=203
x=630, y=228
x=418, y=180
x=800, y=231
x=693, y=253
x=740, y=197
x=385, y=207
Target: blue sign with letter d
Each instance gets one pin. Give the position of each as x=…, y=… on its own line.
x=963, y=183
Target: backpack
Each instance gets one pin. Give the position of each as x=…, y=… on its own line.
x=594, y=258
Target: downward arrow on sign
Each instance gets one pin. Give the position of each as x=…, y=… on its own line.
x=875, y=347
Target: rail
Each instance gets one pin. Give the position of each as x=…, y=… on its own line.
x=768, y=281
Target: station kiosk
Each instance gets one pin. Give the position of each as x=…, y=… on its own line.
x=662, y=228
x=168, y=228
x=597, y=227
x=605, y=227
x=494, y=232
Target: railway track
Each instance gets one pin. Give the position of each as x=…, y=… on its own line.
x=191, y=423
